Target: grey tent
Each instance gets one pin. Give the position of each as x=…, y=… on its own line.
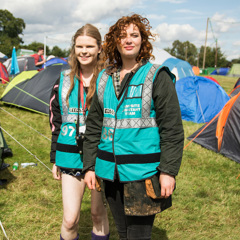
x=25, y=63
x=33, y=92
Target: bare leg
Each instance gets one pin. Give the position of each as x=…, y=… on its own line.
x=72, y=195
x=99, y=214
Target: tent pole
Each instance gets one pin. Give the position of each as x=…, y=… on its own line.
x=204, y=54
x=45, y=43
x=216, y=55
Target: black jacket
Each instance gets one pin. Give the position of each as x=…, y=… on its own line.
x=168, y=118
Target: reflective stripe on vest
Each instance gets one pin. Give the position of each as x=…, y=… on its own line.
x=66, y=116
x=130, y=140
x=146, y=120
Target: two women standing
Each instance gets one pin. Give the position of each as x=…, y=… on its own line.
x=134, y=136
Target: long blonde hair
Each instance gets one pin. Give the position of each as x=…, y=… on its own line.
x=90, y=31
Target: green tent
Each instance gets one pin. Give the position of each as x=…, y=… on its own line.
x=24, y=52
x=235, y=70
x=206, y=71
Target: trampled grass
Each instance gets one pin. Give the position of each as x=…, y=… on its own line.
x=205, y=203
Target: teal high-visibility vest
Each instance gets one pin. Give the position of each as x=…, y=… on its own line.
x=67, y=153
x=130, y=140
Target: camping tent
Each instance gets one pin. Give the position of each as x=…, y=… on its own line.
x=196, y=70
x=200, y=98
x=24, y=52
x=179, y=68
x=32, y=90
x=220, y=71
x=3, y=57
x=3, y=74
x=235, y=70
x=236, y=89
x=160, y=55
x=222, y=134
x=55, y=60
x=4, y=152
x=213, y=79
x=237, y=83
x=206, y=71
x=25, y=63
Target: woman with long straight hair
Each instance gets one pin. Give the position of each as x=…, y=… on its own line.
x=69, y=105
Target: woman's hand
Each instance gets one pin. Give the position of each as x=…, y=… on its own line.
x=90, y=179
x=167, y=183
x=56, y=172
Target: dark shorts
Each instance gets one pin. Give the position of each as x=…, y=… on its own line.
x=72, y=172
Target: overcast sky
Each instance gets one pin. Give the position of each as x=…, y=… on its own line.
x=184, y=20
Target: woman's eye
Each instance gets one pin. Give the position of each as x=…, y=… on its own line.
x=135, y=35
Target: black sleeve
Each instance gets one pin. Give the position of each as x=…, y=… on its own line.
x=55, y=119
x=168, y=118
x=93, y=132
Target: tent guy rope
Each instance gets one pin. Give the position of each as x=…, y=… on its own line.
x=3, y=231
x=26, y=149
x=25, y=124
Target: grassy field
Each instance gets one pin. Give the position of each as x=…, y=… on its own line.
x=205, y=203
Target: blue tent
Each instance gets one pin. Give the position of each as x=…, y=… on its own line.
x=179, y=68
x=200, y=98
x=55, y=60
x=220, y=71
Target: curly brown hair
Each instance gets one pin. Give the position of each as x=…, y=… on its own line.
x=113, y=37
x=91, y=31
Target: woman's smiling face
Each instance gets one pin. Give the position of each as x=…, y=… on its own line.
x=86, y=50
x=130, y=43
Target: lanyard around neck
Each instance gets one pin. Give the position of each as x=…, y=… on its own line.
x=82, y=95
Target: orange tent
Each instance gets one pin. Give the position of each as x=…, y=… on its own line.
x=196, y=70
x=222, y=134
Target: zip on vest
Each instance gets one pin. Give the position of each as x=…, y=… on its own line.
x=118, y=106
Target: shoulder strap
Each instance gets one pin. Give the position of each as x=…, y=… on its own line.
x=147, y=90
x=101, y=87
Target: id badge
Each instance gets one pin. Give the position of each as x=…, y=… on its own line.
x=82, y=129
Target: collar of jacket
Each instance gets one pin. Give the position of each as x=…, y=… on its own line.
x=110, y=69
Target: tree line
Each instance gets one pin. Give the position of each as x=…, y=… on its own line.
x=11, y=29
x=190, y=53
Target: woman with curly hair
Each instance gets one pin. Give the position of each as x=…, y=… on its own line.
x=69, y=104
x=134, y=135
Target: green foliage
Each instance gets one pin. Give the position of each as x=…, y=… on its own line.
x=10, y=30
x=185, y=51
x=210, y=60
x=189, y=52
x=58, y=52
x=34, y=46
x=236, y=61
